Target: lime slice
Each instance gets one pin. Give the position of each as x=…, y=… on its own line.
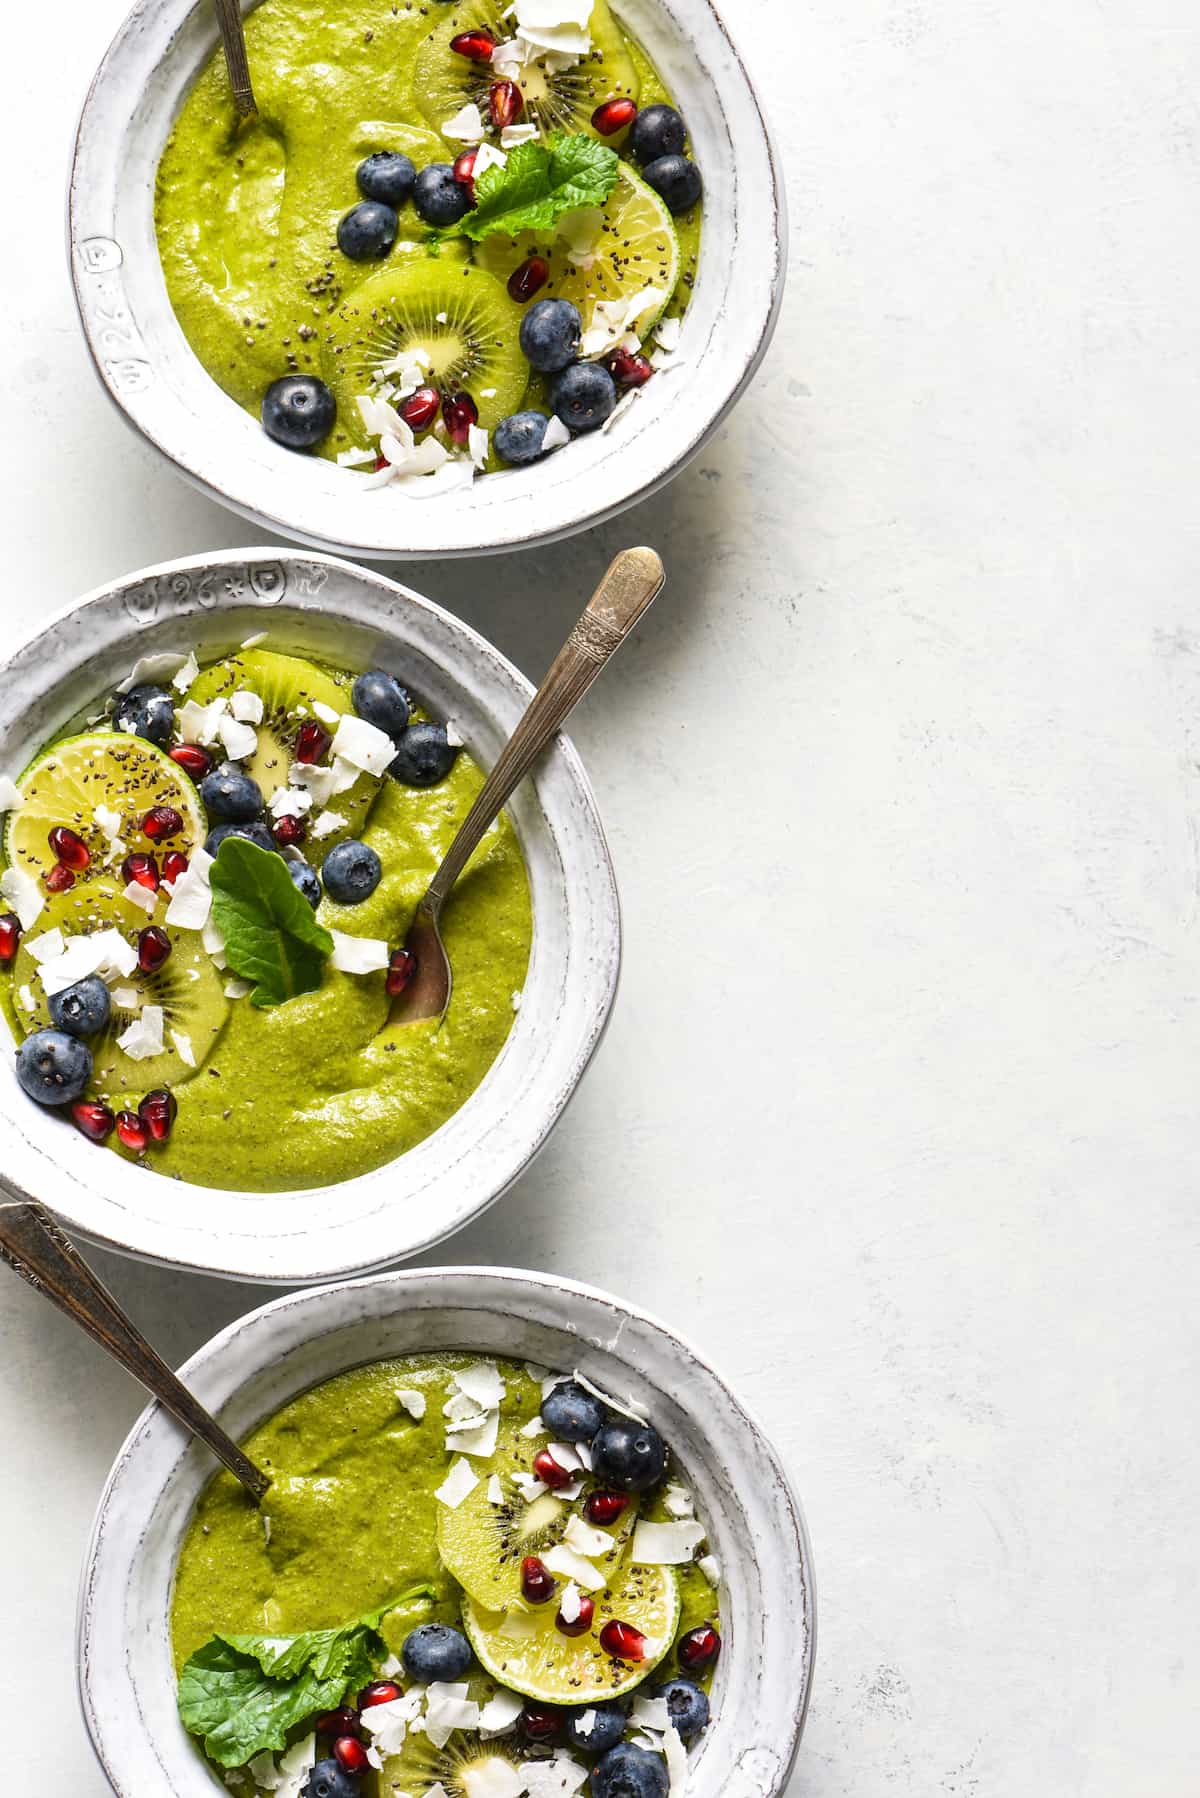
x=524, y=1649
x=123, y=774
x=633, y=245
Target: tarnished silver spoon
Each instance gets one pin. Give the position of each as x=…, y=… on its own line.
x=33, y=1244
x=233, y=37
x=633, y=580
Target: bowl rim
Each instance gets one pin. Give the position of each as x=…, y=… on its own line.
x=559, y=795
x=629, y=477
x=214, y=1372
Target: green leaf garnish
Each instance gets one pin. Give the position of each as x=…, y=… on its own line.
x=271, y=935
x=244, y=1694
x=539, y=183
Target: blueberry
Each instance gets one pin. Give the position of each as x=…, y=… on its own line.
x=147, y=712
x=368, y=231
x=677, y=181
x=657, y=131
x=572, y=1413
x=628, y=1771
x=424, y=756
x=550, y=334
x=53, y=1068
x=84, y=1009
x=583, y=396
x=328, y=1780
x=435, y=1651
x=230, y=796
x=351, y=872
x=628, y=1455
x=687, y=1706
x=382, y=701
x=298, y=411
x=256, y=833
x=438, y=197
x=307, y=880
x=518, y=438
x=387, y=176
x=607, y=1727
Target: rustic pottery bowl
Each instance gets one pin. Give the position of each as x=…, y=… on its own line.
x=151, y=374
x=312, y=604
x=258, y=1364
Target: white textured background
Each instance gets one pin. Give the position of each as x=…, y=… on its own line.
x=916, y=732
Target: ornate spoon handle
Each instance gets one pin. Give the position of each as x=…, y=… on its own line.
x=233, y=37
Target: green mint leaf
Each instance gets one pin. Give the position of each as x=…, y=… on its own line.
x=271, y=935
x=245, y=1694
x=539, y=183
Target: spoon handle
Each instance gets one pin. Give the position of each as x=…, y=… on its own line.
x=34, y=1245
x=634, y=579
x=233, y=37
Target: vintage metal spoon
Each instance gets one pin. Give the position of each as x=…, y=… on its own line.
x=233, y=37
x=33, y=1244
x=634, y=579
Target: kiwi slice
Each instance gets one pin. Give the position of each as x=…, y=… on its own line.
x=124, y=774
x=188, y=986
x=460, y=1768
x=291, y=689
x=483, y=1544
x=444, y=82
x=457, y=313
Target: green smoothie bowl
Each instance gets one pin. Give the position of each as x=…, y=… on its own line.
x=226, y=784
x=520, y=1541
x=469, y=276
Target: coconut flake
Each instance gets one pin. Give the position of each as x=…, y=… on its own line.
x=184, y=676
x=48, y=946
x=28, y=1002
x=151, y=670
x=481, y=1382
x=412, y=1401
x=191, y=900
x=571, y=1603
x=477, y=1440
x=529, y=1486
x=567, y=1455
x=363, y=745
x=561, y=1777
x=585, y=1539
x=388, y=1724
x=679, y=1502
x=467, y=125
x=564, y=1560
x=458, y=1482
x=626, y=1407
x=477, y=445
x=290, y=802
x=11, y=797
x=254, y=641
x=103, y=952
x=238, y=989
x=315, y=781
x=23, y=894
x=496, y=1778
x=358, y=954
x=535, y=1427
x=201, y=723
x=246, y=706
x=677, y=1761
x=183, y=1047
x=665, y=1544
x=447, y=1708
x=556, y=435
x=495, y=1491
x=499, y=1714
x=512, y=135
x=327, y=823
x=144, y=1037
x=710, y=1567
x=146, y=897
x=356, y=458
x=239, y=740
x=611, y=319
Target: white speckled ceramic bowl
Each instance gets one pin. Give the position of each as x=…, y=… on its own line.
x=152, y=375
x=312, y=604
x=246, y=1373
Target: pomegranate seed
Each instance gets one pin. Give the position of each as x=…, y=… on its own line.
x=699, y=1648
x=401, y=968
x=464, y=171
x=59, y=879
x=10, y=936
x=382, y=1691
x=193, y=760
x=312, y=741
x=527, y=278
x=157, y=1111
x=140, y=870
x=153, y=948
x=540, y=1724
x=350, y=1755
x=161, y=822
x=131, y=1131
x=175, y=863
x=604, y=1507
x=380, y=462
x=628, y=369
x=537, y=1584
x=289, y=831
x=476, y=46
x=549, y=1472
x=623, y=1642
x=460, y=413
x=582, y=1623
x=505, y=103
x=421, y=408
x=612, y=116
x=95, y=1120
x=69, y=849
x=337, y=1723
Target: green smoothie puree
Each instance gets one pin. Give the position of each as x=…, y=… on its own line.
x=469, y=1579
x=453, y=235
x=211, y=885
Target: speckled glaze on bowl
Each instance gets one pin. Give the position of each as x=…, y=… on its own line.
x=315, y=605
x=152, y=375
x=245, y=1374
